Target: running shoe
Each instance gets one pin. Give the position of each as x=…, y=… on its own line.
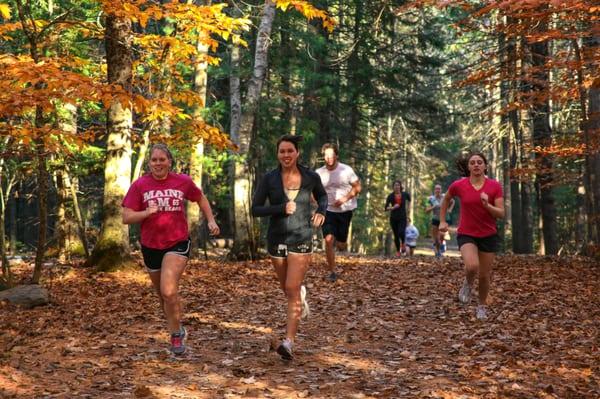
x=464, y=295
x=285, y=350
x=398, y=254
x=178, y=341
x=443, y=247
x=481, y=312
x=305, y=308
x=332, y=277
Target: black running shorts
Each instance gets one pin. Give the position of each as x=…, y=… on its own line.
x=484, y=244
x=153, y=257
x=337, y=224
x=282, y=250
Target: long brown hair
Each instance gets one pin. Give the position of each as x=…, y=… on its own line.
x=462, y=163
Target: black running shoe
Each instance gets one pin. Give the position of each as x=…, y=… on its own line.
x=285, y=350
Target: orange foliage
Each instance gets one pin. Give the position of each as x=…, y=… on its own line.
x=562, y=23
x=159, y=84
x=308, y=10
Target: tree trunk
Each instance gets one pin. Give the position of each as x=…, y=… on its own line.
x=61, y=230
x=245, y=242
x=592, y=48
x=235, y=101
x=141, y=155
x=112, y=250
x=40, y=152
x=69, y=238
x=590, y=204
x=542, y=136
x=524, y=135
x=197, y=154
x=516, y=210
x=12, y=222
x=506, y=49
x=5, y=193
x=42, y=189
x=72, y=184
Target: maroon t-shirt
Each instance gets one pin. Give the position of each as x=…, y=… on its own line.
x=168, y=226
x=474, y=219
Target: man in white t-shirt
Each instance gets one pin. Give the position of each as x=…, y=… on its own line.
x=342, y=186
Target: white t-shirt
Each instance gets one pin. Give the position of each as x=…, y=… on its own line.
x=436, y=203
x=338, y=183
x=412, y=233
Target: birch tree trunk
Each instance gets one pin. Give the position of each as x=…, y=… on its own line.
x=112, y=250
x=197, y=154
x=244, y=246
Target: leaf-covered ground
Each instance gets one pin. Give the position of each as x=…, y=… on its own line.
x=390, y=328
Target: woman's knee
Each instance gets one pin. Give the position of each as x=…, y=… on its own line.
x=472, y=266
x=329, y=239
x=169, y=295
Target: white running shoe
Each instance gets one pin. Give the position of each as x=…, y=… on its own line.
x=464, y=295
x=305, y=308
x=481, y=312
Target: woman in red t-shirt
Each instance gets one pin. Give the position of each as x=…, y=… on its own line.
x=157, y=201
x=481, y=203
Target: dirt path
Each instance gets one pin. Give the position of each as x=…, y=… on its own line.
x=387, y=329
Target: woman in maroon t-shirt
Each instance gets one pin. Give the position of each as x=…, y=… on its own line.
x=157, y=201
x=481, y=203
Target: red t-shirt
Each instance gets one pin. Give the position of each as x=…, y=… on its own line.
x=168, y=226
x=475, y=220
x=398, y=199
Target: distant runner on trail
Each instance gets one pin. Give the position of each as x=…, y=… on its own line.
x=396, y=204
x=342, y=186
x=288, y=190
x=434, y=203
x=481, y=203
x=412, y=234
x=156, y=200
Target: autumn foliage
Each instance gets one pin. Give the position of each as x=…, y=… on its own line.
x=161, y=92
x=576, y=70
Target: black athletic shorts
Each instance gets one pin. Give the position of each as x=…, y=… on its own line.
x=282, y=250
x=153, y=257
x=337, y=224
x=435, y=222
x=484, y=244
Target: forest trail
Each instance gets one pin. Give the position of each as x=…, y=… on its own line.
x=389, y=328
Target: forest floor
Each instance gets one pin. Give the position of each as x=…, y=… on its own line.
x=388, y=328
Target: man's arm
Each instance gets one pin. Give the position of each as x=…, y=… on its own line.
x=354, y=191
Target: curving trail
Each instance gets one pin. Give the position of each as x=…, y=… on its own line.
x=390, y=328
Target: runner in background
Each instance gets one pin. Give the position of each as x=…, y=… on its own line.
x=396, y=204
x=434, y=201
x=412, y=234
x=342, y=186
